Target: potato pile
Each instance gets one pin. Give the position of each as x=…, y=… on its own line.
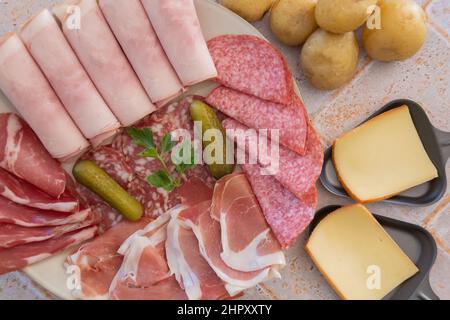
x=393, y=30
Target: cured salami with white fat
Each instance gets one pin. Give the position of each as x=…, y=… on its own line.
x=26, y=87
x=22, y=154
x=22, y=256
x=253, y=66
x=83, y=102
x=291, y=120
x=287, y=215
x=178, y=28
x=24, y=193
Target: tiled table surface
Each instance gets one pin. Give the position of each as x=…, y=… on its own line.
x=424, y=78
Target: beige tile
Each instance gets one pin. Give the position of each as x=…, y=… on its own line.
x=440, y=275
x=438, y=12
x=439, y=225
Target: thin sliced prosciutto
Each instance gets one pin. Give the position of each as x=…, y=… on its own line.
x=133, y=30
x=247, y=241
x=192, y=271
x=19, y=257
x=24, y=216
x=19, y=147
x=290, y=120
x=24, y=193
x=208, y=233
x=83, y=102
x=178, y=28
x=287, y=215
x=99, y=261
x=26, y=87
x=12, y=235
x=103, y=59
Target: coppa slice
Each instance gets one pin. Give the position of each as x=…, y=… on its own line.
x=20, y=147
x=296, y=173
x=253, y=66
x=26, y=194
x=22, y=256
x=291, y=120
x=286, y=214
x=247, y=241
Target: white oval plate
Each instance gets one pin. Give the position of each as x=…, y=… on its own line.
x=215, y=20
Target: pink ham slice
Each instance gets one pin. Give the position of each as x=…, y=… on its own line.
x=133, y=30
x=296, y=173
x=103, y=59
x=24, y=193
x=253, y=66
x=247, y=241
x=99, y=261
x=291, y=120
x=24, y=84
x=24, y=216
x=19, y=257
x=12, y=235
x=45, y=41
x=178, y=28
x=19, y=147
x=192, y=271
x=207, y=231
x=287, y=215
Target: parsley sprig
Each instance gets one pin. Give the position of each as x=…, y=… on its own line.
x=162, y=178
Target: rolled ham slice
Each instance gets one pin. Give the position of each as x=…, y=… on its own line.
x=133, y=30
x=178, y=28
x=22, y=256
x=24, y=193
x=24, y=84
x=83, y=102
x=104, y=61
x=22, y=154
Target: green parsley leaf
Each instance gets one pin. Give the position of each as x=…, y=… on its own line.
x=142, y=137
x=161, y=179
x=149, y=153
x=167, y=143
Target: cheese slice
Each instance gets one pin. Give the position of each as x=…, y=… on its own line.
x=382, y=158
x=357, y=256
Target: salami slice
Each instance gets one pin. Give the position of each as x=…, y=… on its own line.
x=291, y=121
x=296, y=173
x=287, y=215
x=253, y=66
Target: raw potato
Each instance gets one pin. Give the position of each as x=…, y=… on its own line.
x=402, y=34
x=330, y=60
x=250, y=10
x=293, y=21
x=341, y=16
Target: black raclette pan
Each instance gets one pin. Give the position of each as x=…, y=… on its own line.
x=416, y=242
x=437, y=145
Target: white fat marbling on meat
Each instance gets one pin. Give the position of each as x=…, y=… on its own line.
x=13, y=143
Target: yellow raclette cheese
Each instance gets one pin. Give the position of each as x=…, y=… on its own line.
x=357, y=256
x=382, y=158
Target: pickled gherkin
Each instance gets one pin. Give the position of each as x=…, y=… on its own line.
x=90, y=175
x=203, y=113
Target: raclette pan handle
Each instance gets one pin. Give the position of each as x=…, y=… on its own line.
x=424, y=291
x=444, y=143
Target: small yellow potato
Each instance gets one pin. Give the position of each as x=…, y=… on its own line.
x=250, y=10
x=330, y=60
x=340, y=16
x=293, y=21
x=403, y=31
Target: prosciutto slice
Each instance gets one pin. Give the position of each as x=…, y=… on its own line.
x=19, y=147
x=178, y=28
x=24, y=84
x=12, y=235
x=24, y=216
x=99, y=261
x=103, y=59
x=24, y=193
x=191, y=270
x=19, y=257
x=133, y=30
x=208, y=234
x=45, y=41
x=247, y=241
